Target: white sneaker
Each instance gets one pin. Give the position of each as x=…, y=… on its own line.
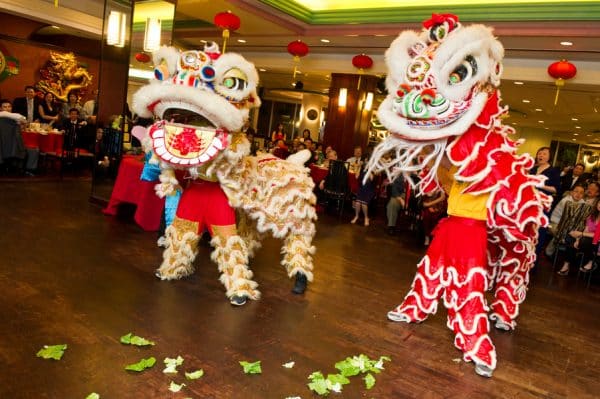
x=162, y=242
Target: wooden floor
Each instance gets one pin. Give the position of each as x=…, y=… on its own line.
x=70, y=275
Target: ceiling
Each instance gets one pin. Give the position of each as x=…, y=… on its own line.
x=531, y=33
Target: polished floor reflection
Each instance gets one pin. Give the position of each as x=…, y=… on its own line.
x=70, y=275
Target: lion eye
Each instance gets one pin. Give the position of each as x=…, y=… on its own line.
x=465, y=70
x=235, y=79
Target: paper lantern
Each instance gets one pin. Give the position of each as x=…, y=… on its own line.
x=229, y=22
x=561, y=71
x=298, y=49
x=142, y=57
x=362, y=62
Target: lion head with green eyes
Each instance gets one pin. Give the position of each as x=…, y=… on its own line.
x=198, y=99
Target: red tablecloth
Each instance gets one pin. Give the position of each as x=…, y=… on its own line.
x=130, y=189
x=46, y=143
x=317, y=173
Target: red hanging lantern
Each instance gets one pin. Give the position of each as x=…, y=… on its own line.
x=561, y=71
x=362, y=62
x=227, y=21
x=298, y=49
x=142, y=57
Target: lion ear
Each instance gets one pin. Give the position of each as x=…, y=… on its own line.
x=165, y=60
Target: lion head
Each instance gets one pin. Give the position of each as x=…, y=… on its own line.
x=439, y=79
x=199, y=98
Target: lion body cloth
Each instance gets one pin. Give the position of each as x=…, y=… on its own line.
x=445, y=121
x=201, y=100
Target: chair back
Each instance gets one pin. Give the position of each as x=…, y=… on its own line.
x=336, y=181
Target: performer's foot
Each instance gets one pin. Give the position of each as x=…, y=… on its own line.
x=366, y=221
x=394, y=315
x=483, y=370
x=238, y=300
x=300, y=285
x=354, y=220
x=501, y=325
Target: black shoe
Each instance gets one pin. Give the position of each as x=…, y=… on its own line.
x=300, y=285
x=238, y=300
x=391, y=230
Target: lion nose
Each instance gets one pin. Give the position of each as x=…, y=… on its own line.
x=428, y=95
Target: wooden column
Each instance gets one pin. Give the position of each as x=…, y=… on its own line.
x=348, y=126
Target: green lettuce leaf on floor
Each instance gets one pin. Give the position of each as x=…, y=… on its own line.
x=289, y=365
x=175, y=387
x=251, y=368
x=194, y=375
x=93, y=395
x=369, y=381
x=172, y=364
x=141, y=365
x=131, y=339
x=52, y=351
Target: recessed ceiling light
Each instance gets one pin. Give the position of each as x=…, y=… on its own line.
x=526, y=101
x=577, y=127
x=55, y=27
x=574, y=139
x=546, y=128
x=541, y=121
x=566, y=43
x=262, y=69
x=325, y=40
x=351, y=35
x=575, y=134
x=589, y=135
x=380, y=35
x=574, y=119
x=241, y=41
x=518, y=83
x=202, y=41
x=539, y=109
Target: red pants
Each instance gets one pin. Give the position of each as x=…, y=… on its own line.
x=206, y=203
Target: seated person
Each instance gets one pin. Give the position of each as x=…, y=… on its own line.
x=581, y=242
x=281, y=150
x=572, y=219
x=396, y=203
x=6, y=112
x=331, y=156
x=73, y=129
x=576, y=196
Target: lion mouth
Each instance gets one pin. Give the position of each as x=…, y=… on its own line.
x=187, y=117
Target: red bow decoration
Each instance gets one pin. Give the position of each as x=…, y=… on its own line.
x=438, y=19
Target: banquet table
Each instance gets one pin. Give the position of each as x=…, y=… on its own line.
x=48, y=143
x=130, y=189
x=318, y=173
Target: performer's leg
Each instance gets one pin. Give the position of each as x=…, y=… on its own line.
x=248, y=232
x=365, y=209
x=422, y=299
x=467, y=317
x=181, y=250
x=231, y=255
x=511, y=282
x=297, y=253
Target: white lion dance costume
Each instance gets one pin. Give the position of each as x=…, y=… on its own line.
x=444, y=117
x=202, y=99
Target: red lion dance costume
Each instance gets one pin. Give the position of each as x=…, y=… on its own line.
x=444, y=117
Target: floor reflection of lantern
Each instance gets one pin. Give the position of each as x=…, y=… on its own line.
x=298, y=49
x=561, y=71
x=362, y=62
x=229, y=22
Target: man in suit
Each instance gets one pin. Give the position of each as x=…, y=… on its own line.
x=575, y=177
x=28, y=105
x=75, y=131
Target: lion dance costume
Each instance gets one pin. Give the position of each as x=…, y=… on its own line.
x=201, y=100
x=444, y=118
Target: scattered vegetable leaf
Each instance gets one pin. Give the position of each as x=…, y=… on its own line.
x=175, y=387
x=194, y=375
x=288, y=365
x=141, y=365
x=93, y=395
x=251, y=368
x=369, y=381
x=172, y=364
x=52, y=351
x=131, y=339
